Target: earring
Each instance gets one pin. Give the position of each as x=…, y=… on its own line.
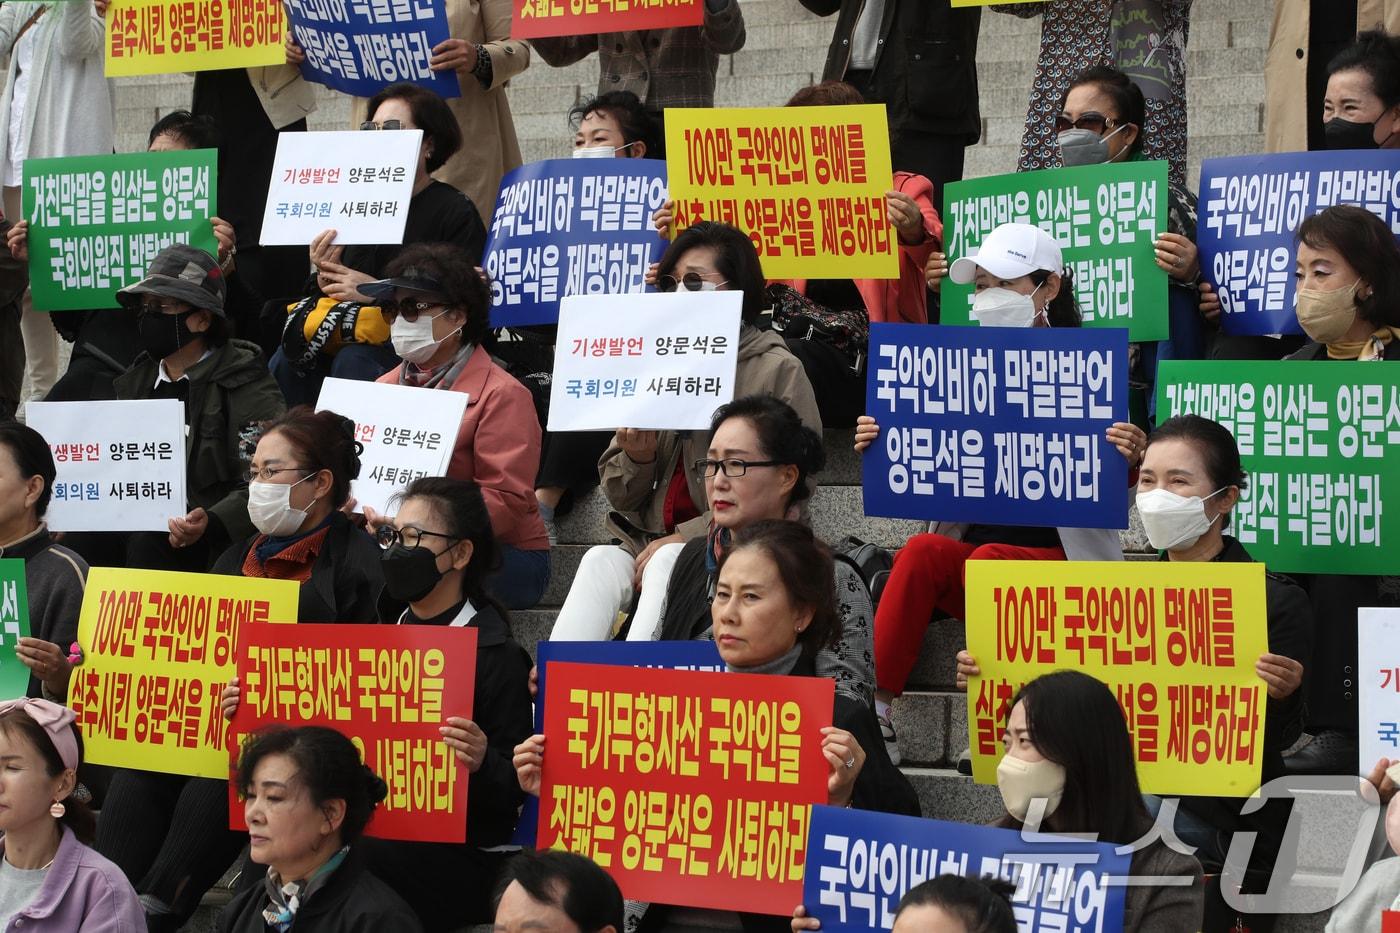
x=57, y=810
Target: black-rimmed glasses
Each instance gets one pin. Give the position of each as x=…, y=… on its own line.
x=732, y=467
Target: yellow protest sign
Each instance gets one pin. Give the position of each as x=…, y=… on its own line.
x=150, y=37
x=1176, y=642
x=807, y=184
x=158, y=648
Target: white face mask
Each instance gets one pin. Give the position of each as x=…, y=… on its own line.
x=1021, y=782
x=270, y=508
x=1002, y=307
x=597, y=152
x=413, y=340
x=1173, y=521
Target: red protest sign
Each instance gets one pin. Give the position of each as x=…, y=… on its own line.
x=535, y=19
x=690, y=788
x=1390, y=921
x=389, y=688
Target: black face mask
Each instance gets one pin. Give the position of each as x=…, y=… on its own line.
x=1343, y=134
x=410, y=573
x=163, y=334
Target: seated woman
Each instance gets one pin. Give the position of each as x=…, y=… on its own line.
x=946, y=904
x=438, y=555
x=54, y=577
x=773, y=612
x=1190, y=480
x=439, y=310
x=168, y=832
x=307, y=798
x=50, y=881
x=437, y=213
x=646, y=474
x=1018, y=282
x=227, y=393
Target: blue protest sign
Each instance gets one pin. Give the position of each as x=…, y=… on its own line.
x=997, y=425
x=360, y=47
x=571, y=227
x=1250, y=209
x=672, y=655
x=860, y=863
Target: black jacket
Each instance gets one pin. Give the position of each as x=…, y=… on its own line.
x=503, y=708
x=1312, y=350
x=925, y=67
x=353, y=901
x=345, y=579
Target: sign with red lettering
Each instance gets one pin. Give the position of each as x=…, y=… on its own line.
x=534, y=19
x=1176, y=642
x=688, y=787
x=389, y=688
x=807, y=184
x=158, y=648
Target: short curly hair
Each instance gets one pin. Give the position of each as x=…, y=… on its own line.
x=462, y=288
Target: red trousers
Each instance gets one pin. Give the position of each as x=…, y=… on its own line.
x=929, y=574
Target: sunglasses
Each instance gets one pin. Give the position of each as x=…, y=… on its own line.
x=691, y=282
x=408, y=309
x=163, y=306
x=1094, y=122
x=386, y=125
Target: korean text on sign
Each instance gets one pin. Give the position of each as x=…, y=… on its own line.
x=362, y=46
x=859, y=865
x=389, y=689
x=407, y=433
x=1175, y=642
x=96, y=222
x=999, y=425
x=14, y=625
x=146, y=37
x=807, y=184
x=571, y=227
x=535, y=19
x=1378, y=677
x=1250, y=209
x=660, y=361
x=121, y=465
x=689, y=788
x=1105, y=218
x=158, y=647
x=1319, y=444
x=356, y=183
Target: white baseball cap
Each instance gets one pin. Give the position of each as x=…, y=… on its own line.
x=1009, y=252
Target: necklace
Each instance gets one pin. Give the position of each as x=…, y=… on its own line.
x=44, y=867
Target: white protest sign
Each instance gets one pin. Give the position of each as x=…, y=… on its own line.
x=406, y=432
x=661, y=362
x=121, y=465
x=1378, y=641
x=354, y=182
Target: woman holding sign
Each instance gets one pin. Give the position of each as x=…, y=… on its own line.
x=1018, y=282
x=773, y=611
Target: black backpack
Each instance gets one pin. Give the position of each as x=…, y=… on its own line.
x=871, y=561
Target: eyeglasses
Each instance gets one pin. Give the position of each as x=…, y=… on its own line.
x=386, y=125
x=388, y=536
x=408, y=309
x=267, y=473
x=163, y=306
x=1094, y=122
x=732, y=467
x=691, y=282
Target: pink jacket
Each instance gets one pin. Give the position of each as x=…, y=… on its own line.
x=905, y=299
x=82, y=893
x=498, y=448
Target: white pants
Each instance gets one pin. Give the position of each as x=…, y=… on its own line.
x=603, y=588
x=40, y=338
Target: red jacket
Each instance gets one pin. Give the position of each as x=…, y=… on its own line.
x=498, y=447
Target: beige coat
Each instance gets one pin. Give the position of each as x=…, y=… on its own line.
x=285, y=95
x=489, y=147
x=1286, y=67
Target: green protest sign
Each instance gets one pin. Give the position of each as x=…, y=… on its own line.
x=1105, y=218
x=1321, y=446
x=14, y=625
x=96, y=222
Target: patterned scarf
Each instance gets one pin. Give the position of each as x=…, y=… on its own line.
x=285, y=899
x=1366, y=350
x=443, y=376
x=716, y=540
